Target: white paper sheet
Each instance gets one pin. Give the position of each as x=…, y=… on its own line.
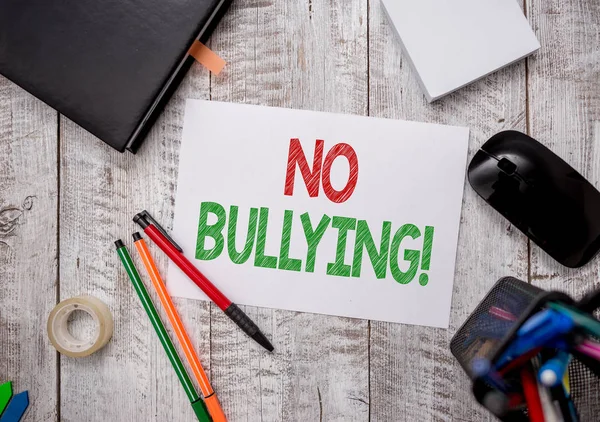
x=450, y=44
x=409, y=175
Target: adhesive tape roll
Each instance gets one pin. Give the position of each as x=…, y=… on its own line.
x=63, y=340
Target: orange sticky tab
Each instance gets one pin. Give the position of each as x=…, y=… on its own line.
x=206, y=57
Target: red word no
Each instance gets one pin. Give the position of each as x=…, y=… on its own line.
x=312, y=178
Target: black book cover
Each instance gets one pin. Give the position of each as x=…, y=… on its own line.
x=108, y=65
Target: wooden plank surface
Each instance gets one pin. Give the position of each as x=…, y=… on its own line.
x=319, y=55
x=28, y=247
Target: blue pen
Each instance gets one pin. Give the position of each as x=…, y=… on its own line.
x=546, y=323
x=545, y=318
x=553, y=370
x=542, y=329
x=559, y=343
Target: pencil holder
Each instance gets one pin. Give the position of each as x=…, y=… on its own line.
x=492, y=327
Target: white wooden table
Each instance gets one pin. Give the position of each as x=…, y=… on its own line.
x=65, y=197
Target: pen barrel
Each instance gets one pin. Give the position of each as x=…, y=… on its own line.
x=551, y=373
x=242, y=320
x=174, y=318
x=142, y=293
x=532, y=397
x=188, y=268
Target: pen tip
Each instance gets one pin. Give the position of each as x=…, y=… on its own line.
x=140, y=218
x=263, y=341
x=137, y=236
x=119, y=243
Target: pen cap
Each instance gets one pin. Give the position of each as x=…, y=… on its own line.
x=200, y=411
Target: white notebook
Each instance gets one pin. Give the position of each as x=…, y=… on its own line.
x=451, y=43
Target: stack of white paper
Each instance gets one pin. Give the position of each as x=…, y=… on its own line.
x=451, y=43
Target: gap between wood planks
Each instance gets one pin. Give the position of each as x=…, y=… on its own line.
x=58, y=386
x=368, y=114
x=528, y=130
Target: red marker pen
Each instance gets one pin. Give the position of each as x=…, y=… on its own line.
x=155, y=232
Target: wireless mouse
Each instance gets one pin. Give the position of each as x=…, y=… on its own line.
x=540, y=194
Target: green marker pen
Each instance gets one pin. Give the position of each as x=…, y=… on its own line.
x=184, y=378
x=5, y=395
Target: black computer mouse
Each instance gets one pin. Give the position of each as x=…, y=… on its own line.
x=540, y=194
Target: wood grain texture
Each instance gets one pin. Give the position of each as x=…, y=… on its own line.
x=413, y=374
x=28, y=253
x=307, y=55
x=564, y=108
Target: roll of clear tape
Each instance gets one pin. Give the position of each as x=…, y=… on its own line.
x=63, y=340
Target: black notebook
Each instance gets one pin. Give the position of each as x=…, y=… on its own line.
x=108, y=65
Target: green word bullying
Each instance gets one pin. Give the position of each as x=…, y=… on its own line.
x=383, y=256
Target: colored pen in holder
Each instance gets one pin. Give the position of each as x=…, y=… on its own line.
x=519, y=336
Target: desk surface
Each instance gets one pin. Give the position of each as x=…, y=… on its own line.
x=65, y=196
